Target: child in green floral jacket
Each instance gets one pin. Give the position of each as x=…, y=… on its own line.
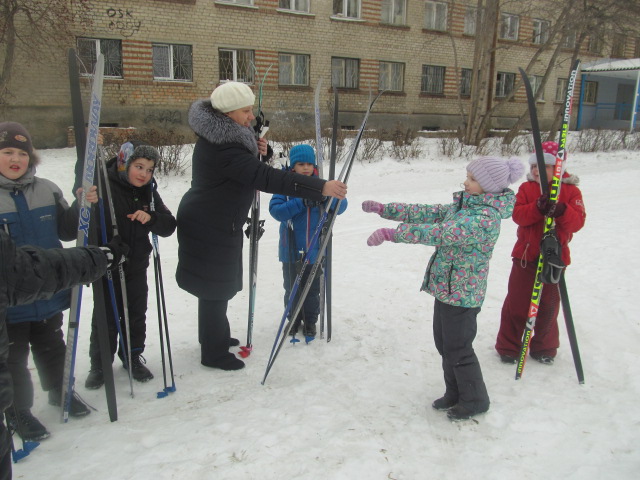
x=464, y=233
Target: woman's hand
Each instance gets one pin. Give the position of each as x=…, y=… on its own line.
x=142, y=217
x=335, y=188
x=262, y=146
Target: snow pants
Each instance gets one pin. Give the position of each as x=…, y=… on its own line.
x=311, y=306
x=515, y=312
x=454, y=329
x=214, y=331
x=48, y=348
x=137, y=294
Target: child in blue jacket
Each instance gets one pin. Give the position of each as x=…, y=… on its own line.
x=298, y=220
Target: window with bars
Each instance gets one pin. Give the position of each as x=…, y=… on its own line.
x=509, y=25
x=618, y=46
x=590, y=92
x=470, y=20
x=293, y=69
x=595, y=43
x=172, y=62
x=435, y=16
x=540, y=31
x=345, y=72
x=504, y=83
x=391, y=77
x=636, y=50
x=561, y=90
x=88, y=49
x=536, y=83
x=465, y=82
x=237, y=65
x=394, y=12
x=295, y=5
x=569, y=40
x=346, y=8
x=432, y=80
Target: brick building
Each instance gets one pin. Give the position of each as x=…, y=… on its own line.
x=163, y=54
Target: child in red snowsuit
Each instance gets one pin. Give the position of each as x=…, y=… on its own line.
x=529, y=213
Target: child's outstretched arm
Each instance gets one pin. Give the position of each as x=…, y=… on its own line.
x=406, y=212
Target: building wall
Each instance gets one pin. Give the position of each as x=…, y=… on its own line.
x=41, y=99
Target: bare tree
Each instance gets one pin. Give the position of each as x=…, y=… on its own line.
x=33, y=30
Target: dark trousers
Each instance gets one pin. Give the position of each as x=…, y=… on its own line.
x=311, y=306
x=213, y=330
x=48, y=348
x=515, y=313
x=5, y=463
x=454, y=329
x=137, y=293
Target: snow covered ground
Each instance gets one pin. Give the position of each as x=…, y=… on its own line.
x=359, y=406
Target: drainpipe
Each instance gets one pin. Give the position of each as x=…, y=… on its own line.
x=634, y=110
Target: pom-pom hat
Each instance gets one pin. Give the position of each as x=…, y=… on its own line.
x=231, y=96
x=494, y=174
x=550, y=150
x=301, y=154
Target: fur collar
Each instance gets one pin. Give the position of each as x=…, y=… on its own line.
x=568, y=178
x=218, y=129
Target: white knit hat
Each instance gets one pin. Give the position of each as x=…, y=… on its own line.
x=231, y=96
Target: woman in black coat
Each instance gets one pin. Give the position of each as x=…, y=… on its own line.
x=226, y=170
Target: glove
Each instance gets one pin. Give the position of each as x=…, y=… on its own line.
x=116, y=251
x=381, y=235
x=311, y=203
x=557, y=210
x=371, y=206
x=543, y=205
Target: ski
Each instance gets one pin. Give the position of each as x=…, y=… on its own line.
x=327, y=221
x=84, y=220
x=554, y=192
x=320, y=164
x=571, y=330
x=254, y=231
x=332, y=174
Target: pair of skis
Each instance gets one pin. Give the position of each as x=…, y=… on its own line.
x=549, y=225
x=326, y=222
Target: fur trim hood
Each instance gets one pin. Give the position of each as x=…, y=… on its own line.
x=217, y=128
x=568, y=178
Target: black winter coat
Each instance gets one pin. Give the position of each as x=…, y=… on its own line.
x=31, y=273
x=226, y=171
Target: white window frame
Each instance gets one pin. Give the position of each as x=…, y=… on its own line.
x=295, y=5
x=391, y=76
x=432, y=79
x=590, y=92
x=171, y=51
x=435, y=16
x=509, y=26
x=250, y=73
x=347, y=8
x=540, y=31
x=505, y=82
x=293, y=69
x=394, y=12
x=470, y=16
x=345, y=72
x=112, y=63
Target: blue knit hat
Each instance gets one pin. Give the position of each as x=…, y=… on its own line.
x=303, y=154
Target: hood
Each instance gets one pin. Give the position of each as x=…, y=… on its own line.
x=20, y=183
x=217, y=128
x=503, y=202
x=566, y=178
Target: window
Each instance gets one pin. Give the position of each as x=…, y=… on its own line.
x=590, y=92
x=595, y=43
x=540, y=31
x=237, y=2
x=470, y=17
x=465, y=82
x=536, y=83
x=394, y=12
x=569, y=41
x=293, y=69
x=636, y=51
x=509, y=25
x=346, y=8
x=432, y=80
x=561, y=90
x=391, y=76
x=435, y=16
x=237, y=65
x=172, y=62
x=88, y=49
x=295, y=5
x=618, y=46
x=345, y=72
x=504, y=84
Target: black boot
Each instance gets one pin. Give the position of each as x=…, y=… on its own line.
x=309, y=329
x=77, y=408
x=28, y=427
x=139, y=371
x=443, y=403
x=227, y=362
x=95, y=379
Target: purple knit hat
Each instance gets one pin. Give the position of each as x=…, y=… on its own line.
x=494, y=174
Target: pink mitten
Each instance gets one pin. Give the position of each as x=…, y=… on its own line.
x=381, y=235
x=372, y=206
